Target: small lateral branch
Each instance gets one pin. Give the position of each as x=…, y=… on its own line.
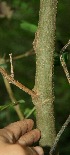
x=26, y=54
x=16, y=83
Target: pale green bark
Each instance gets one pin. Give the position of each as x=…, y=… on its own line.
x=44, y=48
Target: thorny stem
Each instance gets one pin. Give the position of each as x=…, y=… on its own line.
x=44, y=44
x=16, y=83
x=59, y=135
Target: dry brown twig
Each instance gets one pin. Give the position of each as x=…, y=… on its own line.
x=12, y=71
x=11, y=95
x=10, y=79
x=16, y=83
x=26, y=54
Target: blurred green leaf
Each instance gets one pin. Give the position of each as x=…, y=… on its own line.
x=21, y=101
x=4, y=107
x=28, y=27
x=3, y=65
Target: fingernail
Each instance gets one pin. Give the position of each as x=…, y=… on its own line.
x=39, y=150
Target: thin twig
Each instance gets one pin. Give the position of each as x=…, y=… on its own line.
x=16, y=83
x=28, y=53
x=63, y=62
x=11, y=95
x=59, y=135
x=12, y=71
x=64, y=48
x=65, y=68
x=68, y=119
x=6, y=106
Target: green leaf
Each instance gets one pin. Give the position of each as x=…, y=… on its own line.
x=28, y=27
x=3, y=65
x=21, y=101
x=4, y=107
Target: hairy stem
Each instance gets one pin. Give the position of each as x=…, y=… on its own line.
x=44, y=49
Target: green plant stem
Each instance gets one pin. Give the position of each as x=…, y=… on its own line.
x=44, y=49
x=29, y=114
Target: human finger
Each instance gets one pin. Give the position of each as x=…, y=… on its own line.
x=29, y=138
x=33, y=151
x=16, y=149
x=19, y=128
x=39, y=150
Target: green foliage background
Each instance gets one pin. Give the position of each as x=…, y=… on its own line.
x=16, y=36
